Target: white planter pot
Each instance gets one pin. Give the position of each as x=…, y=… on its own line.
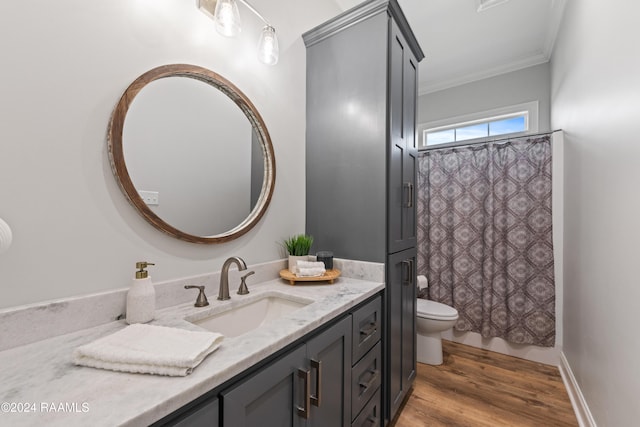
x=293, y=260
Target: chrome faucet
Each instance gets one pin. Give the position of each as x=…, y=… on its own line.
x=223, y=293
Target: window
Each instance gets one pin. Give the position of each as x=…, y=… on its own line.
x=517, y=119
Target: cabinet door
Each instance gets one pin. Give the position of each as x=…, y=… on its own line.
x=402, y=143
x=329, y=357
x=273, y=397
x=401, y=332
x=410, y=159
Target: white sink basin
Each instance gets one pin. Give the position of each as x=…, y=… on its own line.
x=244, y=318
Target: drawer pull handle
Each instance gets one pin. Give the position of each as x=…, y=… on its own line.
x=303, y=411
x=369, y=329
x=373, y=379
x=317, y=365
x=373, y=421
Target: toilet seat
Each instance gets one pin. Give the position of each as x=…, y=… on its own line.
x=428, y=309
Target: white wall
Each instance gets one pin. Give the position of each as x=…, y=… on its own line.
x=516, y=87
x=595, y=99
x=64, y=66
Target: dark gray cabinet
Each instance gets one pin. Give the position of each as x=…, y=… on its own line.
x=309, y=386
x=361, y=157
x=361, y=154
x=401, y=348
x=330, y=378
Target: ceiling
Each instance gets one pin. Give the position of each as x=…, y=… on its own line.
x=462, y=45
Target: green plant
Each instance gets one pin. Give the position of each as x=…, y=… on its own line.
x=298, y=245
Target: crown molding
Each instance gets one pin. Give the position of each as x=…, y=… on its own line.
x=555, y=19
x=530, y=61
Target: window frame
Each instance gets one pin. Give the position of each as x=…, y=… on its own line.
x=529, y=109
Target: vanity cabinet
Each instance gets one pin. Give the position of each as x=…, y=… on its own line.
x=331, y=377
x=361, y=160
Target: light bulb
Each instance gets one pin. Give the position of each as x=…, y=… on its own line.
x=227, y=18
x=268, y=46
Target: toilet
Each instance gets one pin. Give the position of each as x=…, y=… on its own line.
x=432, y=319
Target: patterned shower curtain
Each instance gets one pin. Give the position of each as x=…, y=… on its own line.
x=485, y=237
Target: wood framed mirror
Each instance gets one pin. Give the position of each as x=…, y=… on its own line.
x=192, y=154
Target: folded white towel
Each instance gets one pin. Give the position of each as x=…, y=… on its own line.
x=310, y=264
x=310, y=272
x=149, y=349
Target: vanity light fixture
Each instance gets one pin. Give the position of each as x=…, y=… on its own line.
x=488, y=4
x=227, y=20
x=5, y=236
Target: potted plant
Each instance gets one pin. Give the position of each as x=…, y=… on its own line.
x=298, y=249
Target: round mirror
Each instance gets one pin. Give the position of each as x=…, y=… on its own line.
x=192, y=154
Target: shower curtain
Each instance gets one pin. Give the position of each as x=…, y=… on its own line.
x=485, y=237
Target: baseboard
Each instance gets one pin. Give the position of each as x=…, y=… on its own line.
x=546, y=355
x=580, y=407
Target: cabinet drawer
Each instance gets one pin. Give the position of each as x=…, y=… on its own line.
x=366, y=378
x=371, y=414
x=367, y=328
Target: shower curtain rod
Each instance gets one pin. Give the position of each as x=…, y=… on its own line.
x=465, y=143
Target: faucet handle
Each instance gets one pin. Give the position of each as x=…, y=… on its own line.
x=201, y=301
x=243, y=290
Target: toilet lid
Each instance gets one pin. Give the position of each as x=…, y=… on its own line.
x=435, y=310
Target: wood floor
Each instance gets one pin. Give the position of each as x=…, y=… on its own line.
x=477, y=388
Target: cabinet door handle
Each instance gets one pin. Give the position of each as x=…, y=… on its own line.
x=317, y=365
x=373, y=421
x=368, y=384
x=369, y=329
x=411, y=271
x=406, y=274
x=409, y=197
x=303, y=411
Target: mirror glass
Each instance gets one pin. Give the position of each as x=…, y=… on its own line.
x=192, y=154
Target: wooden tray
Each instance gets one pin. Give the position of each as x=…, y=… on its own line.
x=328, y=276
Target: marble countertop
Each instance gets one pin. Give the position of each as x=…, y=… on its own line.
x=41, y=386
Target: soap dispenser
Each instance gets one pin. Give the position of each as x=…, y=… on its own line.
x=141, y=298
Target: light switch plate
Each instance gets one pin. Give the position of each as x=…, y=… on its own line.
x=151, y=198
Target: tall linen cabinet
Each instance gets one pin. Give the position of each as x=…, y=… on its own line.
x=361, y=161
